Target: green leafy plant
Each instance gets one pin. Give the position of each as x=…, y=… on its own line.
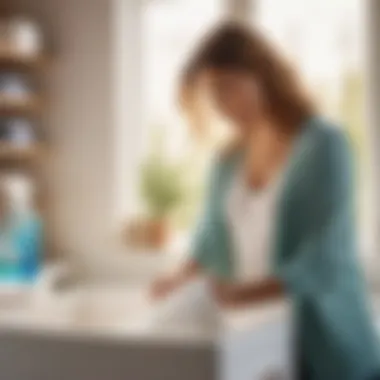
x=162, y=183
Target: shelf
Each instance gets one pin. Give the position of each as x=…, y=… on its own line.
x=19, y=107
x=17, y=61
x=11, y=153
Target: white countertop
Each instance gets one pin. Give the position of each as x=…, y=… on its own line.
x=113, y=313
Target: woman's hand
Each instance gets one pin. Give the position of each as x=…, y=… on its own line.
x=163, y=287
x=225, y=293
x=232, y=295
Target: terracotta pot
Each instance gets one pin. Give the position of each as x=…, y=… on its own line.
x=157, y=234
x=147, y=234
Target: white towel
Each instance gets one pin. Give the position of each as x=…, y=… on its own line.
x=191, y=308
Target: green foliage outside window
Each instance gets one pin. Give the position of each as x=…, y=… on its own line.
x=162, y=182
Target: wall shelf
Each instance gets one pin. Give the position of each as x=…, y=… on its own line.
x=12, y=153
x=11, y=60
x=19, y=107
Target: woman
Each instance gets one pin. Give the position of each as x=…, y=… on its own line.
x=279, y=217
x=20, y=242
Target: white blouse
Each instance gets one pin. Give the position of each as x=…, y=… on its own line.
x=251, y=217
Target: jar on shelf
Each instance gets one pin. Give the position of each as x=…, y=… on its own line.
x=20, y=132
x=15, y=86
x=25, y=36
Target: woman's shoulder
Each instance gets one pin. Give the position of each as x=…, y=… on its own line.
x=324, y=159
x=324, y=132
x=325, y=137
x=223, y=163
x=325, y=156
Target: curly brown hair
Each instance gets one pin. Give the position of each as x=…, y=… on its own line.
x=232, y=46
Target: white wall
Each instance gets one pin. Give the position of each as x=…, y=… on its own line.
x=81, y=116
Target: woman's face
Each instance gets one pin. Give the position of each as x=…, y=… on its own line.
x=236, y=96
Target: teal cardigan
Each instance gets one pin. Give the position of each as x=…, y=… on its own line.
x=314, y=252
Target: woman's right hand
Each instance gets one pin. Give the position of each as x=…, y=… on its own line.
x=163, y=287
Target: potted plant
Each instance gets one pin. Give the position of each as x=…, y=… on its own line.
x=163, y=191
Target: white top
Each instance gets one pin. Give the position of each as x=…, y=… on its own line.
x=251, y=217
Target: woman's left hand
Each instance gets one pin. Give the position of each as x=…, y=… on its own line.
x=232, y=295
x=225, y=293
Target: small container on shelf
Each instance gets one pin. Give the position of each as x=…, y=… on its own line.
x=17, y=95
x=18, y=132
x=23, y=37
x=21, y=132
x=18, y=140
x=15, y=87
